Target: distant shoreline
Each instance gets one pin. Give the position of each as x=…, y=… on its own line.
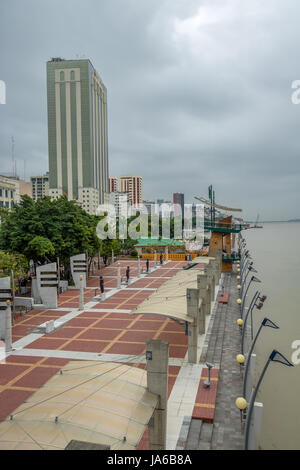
x=275, y=221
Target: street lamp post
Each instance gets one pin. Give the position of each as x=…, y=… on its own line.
x=247, y=263
x=252, y=279
x=250, y=269
x=265, y=322
x=273, y=358
x=251, y=303
x=250, y=310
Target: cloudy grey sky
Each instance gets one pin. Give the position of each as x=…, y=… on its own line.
x=199, y=92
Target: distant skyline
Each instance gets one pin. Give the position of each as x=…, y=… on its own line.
x=199, y=93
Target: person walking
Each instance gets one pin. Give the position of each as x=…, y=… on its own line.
x=101, y=282
x=127, y=273
x=147, y=265
x=161, y=258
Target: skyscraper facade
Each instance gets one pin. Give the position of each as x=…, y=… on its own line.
x=133, y=186
x=77, y=132
x=40, y=186
x=113, y=184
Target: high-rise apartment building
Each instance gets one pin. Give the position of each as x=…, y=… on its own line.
x=113, y=184
x=77, y=132
x=39, y=186
x=133, y=186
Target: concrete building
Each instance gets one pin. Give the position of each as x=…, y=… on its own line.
x=24, y=187
x=8, y=192
x=178, y=198
x=39, y=186
x=113, y=184
x=133, y=186
x=117, y=199
x=11, y=190
x=77, y=132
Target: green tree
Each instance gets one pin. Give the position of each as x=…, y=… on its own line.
x=41, y=247
x=49, y=229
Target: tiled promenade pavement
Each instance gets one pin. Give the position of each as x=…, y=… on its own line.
x=223, y=343
x=104, y=331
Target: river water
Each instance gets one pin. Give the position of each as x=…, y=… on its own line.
x=275, y=250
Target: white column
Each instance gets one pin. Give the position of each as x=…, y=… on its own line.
x=157, y=356
x=81, y=294
x=79, y=133
x=119, y=277
x=250, y=378
x=8, y=336
x=58, y=135
x=192, y=311
x=255, y=426
x=139, y=267
x=69, y=141
x=202, y=287
x=94, y=130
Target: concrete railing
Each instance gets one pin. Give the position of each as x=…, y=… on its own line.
x=199, y=304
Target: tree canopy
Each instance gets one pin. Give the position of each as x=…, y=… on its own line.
x=45, y=229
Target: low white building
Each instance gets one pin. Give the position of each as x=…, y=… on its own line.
x=118, y=199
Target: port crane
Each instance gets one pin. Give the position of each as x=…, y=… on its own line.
x=223, y=231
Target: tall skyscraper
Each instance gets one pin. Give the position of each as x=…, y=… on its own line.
x=133, y=186
x=178, y=198
x=77, y=132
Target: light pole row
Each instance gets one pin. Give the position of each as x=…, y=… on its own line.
x=251, y=411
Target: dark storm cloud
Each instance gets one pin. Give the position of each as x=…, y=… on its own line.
x=199, y=92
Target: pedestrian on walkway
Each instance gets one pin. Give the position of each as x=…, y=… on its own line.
x=147, y=265
x=127, y=273
x=161, y=258
x=101, y=282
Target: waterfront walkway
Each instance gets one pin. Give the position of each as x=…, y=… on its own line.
x=105, y=331
x=223, y=343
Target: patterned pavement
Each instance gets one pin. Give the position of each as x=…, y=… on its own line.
x=105, y=330
x=101, y=328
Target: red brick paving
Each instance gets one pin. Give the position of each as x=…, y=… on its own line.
x=99, y=333
x=9, y=372
x=36, y=377
x=126, y=348
x=115, y=333
x=85, y=346
x=23, y=359
x=10, y=400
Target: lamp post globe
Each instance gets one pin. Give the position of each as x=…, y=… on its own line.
x=240, y=358
x=241, y=403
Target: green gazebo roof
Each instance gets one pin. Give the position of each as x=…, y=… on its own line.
x=157, y=242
